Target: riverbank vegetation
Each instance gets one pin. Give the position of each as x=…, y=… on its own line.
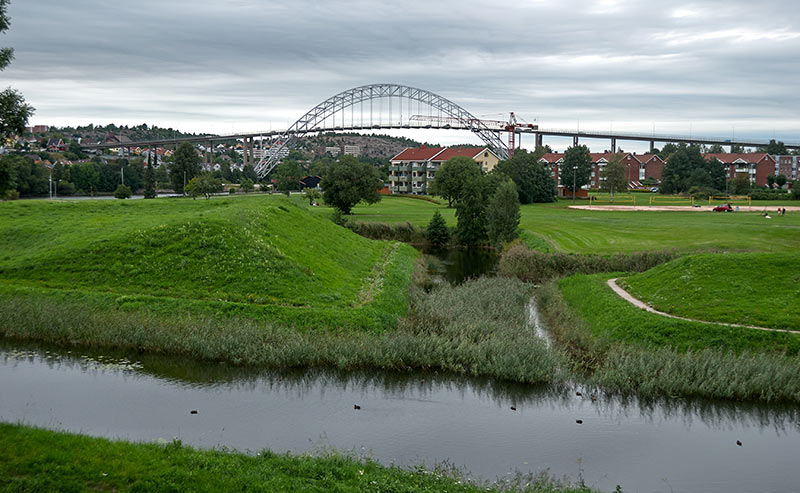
x=33, y=459
x=748, y=288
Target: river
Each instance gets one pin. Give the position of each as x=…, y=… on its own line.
x=407, y=419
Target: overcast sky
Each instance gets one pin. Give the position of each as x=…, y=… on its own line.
x=705, y=67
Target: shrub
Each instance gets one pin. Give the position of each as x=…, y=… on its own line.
x=65, y=188
x=769, y=195
x=533, y=266
x=11, y=195
x=437, y=232
x=122, y=192
x=338, y=218
x=232, y=191
x=796, y=192
x=405, y=232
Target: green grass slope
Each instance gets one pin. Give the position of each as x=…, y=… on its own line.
x=751, y=288
x=610, y=317
x=263, y=257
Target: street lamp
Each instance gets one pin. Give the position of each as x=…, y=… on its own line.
x=574, y=171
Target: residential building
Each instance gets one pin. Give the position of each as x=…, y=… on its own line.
x=757, y=165
x=332, y=150
x=787, y=166
x=650, y=168
x=600, y=160
x=413, y=169
x=351, y=150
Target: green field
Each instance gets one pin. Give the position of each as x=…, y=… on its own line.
x=556, y=227
x=32, y=459
x=259, y=256
x=751, y=288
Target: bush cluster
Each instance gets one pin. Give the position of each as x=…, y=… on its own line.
x=769, y=195
x=405, y=232
x=533, y=266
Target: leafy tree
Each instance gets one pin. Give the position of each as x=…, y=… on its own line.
x=796, y=190
x=667, y=151
x=770, y=180
x=437, y=232
x=614, y=175
x=312, y=194
x=75, y=149
x=250, y=173
x=687, y=168
x=576, y=157
x=185, y=167
x=775, y=148
x=471, y=213
x=85, y=176
x=122, y=192
x=502, y=214
x=716, y=149
x=204, y=184
x=532, y=179
x=451, y=177
x=736, y=148
x=14, y=113
x=287, y=176
x=740, y=184
x=780, y=180
x=8, y=176
x=348, y=182
x=150, y=178
x=246, y=185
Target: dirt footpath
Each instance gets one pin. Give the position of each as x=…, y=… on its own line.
x=684, y=208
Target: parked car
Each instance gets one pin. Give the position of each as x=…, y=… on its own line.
x=723, y=208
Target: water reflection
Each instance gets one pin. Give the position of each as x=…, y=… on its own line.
x=188, y=373
x=455, y=265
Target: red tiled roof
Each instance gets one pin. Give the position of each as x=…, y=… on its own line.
x=646, y=158
x=452, y=152
x=728, y=158
x=417, y=154
x=552, y=157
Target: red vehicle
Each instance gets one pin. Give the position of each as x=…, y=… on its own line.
x=723, y=208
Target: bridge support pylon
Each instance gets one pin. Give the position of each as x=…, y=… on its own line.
x=613, y=145
x=652, y=146
x=575, y=140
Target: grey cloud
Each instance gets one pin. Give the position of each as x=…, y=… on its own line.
x=260, y=63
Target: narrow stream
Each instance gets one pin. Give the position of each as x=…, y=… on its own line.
x=407, y=419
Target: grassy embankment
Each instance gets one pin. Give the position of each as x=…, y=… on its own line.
x=255, y=281
x=750, y=288
x=259, y=258
x=624, y=349
x=37, y=460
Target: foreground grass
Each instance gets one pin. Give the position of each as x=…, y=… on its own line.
x=620, y=348
x=37, y=460
x=255, y=257
x=753, y=288
x=478, y=328
x=555, y=227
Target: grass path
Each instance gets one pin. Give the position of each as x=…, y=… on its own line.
x=612, y=283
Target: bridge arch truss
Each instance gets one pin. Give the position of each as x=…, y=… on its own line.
x=316, y=119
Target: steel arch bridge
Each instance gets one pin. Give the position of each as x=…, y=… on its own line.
x=316, y=119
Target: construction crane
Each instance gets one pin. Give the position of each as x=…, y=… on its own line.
x=511, y=126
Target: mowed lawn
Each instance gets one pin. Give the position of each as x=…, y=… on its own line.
x=257, y=250
x=760, y=289
x=605, y=232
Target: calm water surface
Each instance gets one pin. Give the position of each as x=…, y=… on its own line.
x=407, y=419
